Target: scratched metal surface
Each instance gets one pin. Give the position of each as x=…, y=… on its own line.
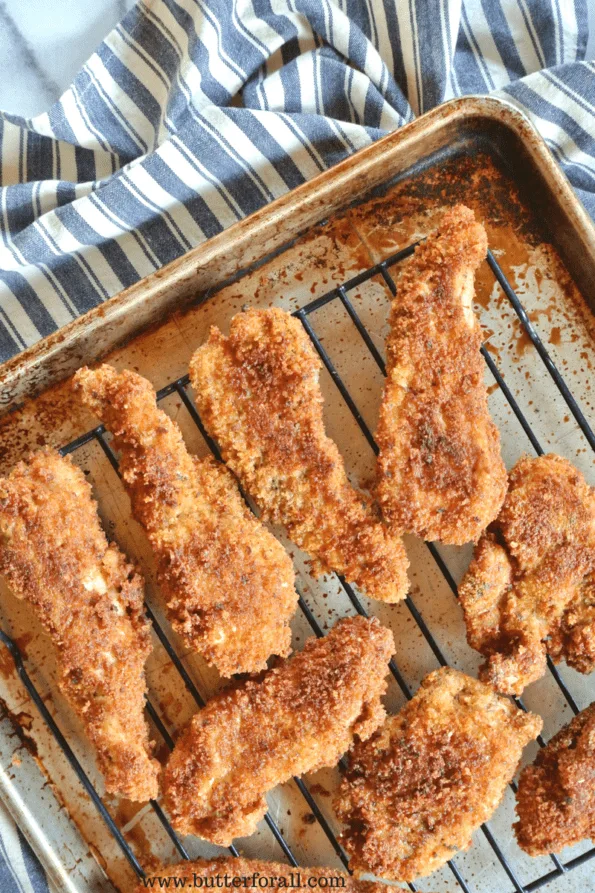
x=35, y=779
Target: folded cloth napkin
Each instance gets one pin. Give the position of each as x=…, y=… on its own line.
x=194, y=113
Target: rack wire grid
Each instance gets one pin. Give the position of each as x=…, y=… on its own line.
x=180, y=386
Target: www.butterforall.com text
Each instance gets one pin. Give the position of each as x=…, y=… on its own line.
x=292, y=880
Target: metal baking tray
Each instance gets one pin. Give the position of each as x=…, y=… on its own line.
x=328, y=251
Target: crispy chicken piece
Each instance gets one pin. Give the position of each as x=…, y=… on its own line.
x=556, y=795
x=297, y=718
x=55, y=556
x=229, y=584
x=573, y=640
x=259, y=397
x=530, y=589
x=250, y=870
x=417, y=791
x=440, y=473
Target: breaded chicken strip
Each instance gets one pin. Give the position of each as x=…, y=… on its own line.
x=530, y=589
x=297, y=718
x=259, y=397
x=229, y=584
x=90, y=600
x=251, y=870
x=417, y=791
x=440, y=473
x=556, y=795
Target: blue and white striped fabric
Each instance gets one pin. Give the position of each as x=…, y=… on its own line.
x=194, y=113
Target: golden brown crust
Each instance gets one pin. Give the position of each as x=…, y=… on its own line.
x=90, y=600
x=556, y=795
x=573, y=639
x=297, y=718
x=440, y=473
x=259, y=397
x=416, y=792
x=247, y=868
x=229, y=583
x=530, y=589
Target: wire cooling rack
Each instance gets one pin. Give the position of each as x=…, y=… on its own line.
x=180, y=387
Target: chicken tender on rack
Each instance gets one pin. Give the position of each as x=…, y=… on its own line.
x=55, y=556
x=556, y=795
x=530, y=589
x=229, y=584
x=278, y=876
x=300, y=716
x=420, y=787
x=259, y=397
x=440, y=473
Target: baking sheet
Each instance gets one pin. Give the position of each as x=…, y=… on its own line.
x=328, y=255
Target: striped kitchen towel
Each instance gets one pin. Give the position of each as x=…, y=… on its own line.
x=194, y=113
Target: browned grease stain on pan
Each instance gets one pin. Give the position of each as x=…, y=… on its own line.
x=124, y=816
x=7, y=667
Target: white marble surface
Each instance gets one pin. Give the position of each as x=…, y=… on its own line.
x=44, y=43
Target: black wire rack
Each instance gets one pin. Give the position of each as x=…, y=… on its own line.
x=181, y=388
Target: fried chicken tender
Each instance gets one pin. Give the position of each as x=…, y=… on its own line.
x=251, y=870
x=530, y=589
x=259, y=397
x=300, y=716
x=440, y=473
x=556, y=795
x=417, y=791
x=55, y=556
x=229, y=584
